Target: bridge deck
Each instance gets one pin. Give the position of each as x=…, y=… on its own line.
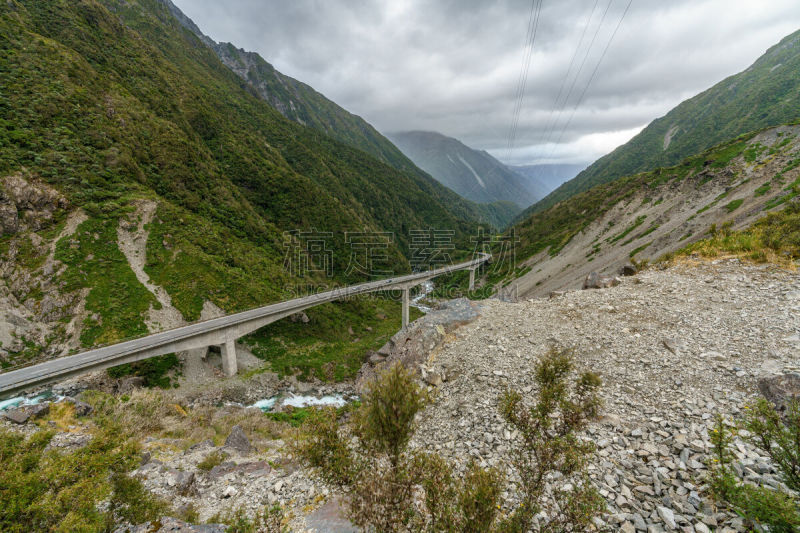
x=217, y=331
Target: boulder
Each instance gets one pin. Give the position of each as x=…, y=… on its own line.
x=301, y=317
x=183, y=481
x=628, y=270
x=238, y=441
x=81, y=408
x=781, y=390
x=596, y=281
x=22, y=415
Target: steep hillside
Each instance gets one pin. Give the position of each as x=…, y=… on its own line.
x=765, y=94
x=473, y=174
x=297, y=101
x=644, y=216
x=546, y=178
x=114, y=118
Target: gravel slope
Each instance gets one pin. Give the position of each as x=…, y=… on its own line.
x=674, y=347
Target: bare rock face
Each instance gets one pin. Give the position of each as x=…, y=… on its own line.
x=781, y=390
x=412, y=346
x=27, y=204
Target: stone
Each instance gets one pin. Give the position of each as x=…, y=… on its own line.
x=433, y=378
x=300, y=317
x=183, y=481
x=230, y=491
x=374, y=358
x=238, y=441
x=667, y=516
x=596, y=281
x=780, y=390
x=81, y=408
x=628, y=270
x=22, y=415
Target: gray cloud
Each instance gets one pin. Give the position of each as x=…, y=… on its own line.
x=452, y=65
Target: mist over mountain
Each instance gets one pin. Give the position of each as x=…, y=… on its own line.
x=547, y=177
x=474, y=174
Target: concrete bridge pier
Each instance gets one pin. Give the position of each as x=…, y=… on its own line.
x=472, y=279
x=405, y=306
x=228, y=351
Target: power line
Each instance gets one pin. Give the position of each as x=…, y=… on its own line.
x=569, y=69
x=578, y=74
x=594, y=72
x=533, y=24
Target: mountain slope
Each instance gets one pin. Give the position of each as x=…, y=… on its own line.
x=109, y=105
x=543, y=179
x=646, y=215
x=473, y=174
x=765, y=94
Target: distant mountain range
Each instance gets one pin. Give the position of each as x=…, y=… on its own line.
x=548, y=177
x=767, y=93
x=474, y=174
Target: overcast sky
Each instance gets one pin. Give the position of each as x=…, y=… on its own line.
x=453, y=65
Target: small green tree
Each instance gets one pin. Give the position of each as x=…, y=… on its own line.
x=550, y=445
x=779, y=437
x=381, y=476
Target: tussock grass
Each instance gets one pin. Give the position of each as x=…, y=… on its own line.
x=774, y=238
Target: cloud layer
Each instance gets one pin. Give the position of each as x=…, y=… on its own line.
x=453, y=65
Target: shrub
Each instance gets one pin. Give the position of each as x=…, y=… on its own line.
x=779, y=437
x=267, y=521
x=211, y=460
x=550, y=445
x=381, y=476
x=54, y=491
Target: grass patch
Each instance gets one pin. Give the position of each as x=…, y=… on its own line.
x=775, y=238
x=639, y=249
x=761, y=191
x=324, y=348
x=155, y=371
x=734, y=205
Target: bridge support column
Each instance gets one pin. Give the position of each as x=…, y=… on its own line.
x=405, y=307
x=228, y=351
x=472, y=279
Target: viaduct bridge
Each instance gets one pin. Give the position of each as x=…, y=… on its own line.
x=222, y=331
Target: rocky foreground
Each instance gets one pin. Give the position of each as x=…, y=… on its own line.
x=674, y=347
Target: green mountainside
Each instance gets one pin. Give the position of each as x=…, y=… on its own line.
x=765, y=94
x=300, y=103
x=644, y=215
x=111, y=103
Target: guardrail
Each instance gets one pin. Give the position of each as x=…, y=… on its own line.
x=222, y=331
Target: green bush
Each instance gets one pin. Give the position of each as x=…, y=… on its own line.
x=779, y=438
x=60, y=492
x=381, y=475
x=550, y=445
